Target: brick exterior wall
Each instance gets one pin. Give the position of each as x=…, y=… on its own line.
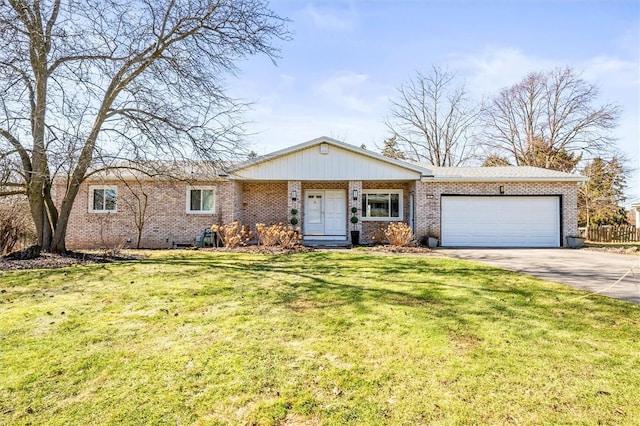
x=230, y=197
x=264, y=202
x=166, y=220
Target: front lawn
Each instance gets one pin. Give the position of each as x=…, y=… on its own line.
x=192, y=337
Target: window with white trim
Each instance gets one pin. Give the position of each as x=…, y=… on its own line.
x=200, y=199
x=382, y=204
x=103, y=199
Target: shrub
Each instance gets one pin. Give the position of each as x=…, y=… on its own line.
x=16, y=225
x=232, y=235
x=267, y=235
x=379, y=236
x=281, y=235
x=399, y=234
x=290, y=237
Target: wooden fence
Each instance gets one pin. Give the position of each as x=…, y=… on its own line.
x=611, y=234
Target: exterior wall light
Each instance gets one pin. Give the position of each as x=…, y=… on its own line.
x=502, y=189
x=355, y=195
x=294, y=195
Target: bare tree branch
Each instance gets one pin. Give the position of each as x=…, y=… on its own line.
x=89, y=83
x=433, y=120
x=548, y=115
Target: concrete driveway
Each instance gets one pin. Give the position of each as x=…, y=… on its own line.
x=584, y=269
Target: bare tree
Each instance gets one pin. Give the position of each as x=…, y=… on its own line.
x=89, y=83
x=548, y=120
x=434, y=120
x=136, y=201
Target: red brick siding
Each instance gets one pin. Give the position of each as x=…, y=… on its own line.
x=269, y=202
x=264, y=202
x=167, y=221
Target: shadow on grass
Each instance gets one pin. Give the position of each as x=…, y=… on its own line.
x=460, y=290
x=465, y=291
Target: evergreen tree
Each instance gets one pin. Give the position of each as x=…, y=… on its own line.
x=600, y=198
x=495, y=160
x=391, y=149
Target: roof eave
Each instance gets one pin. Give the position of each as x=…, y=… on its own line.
x=503, y=179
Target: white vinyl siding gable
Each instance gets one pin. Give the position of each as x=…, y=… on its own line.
x=336, y=164
x=103, y=199
x=200, y=200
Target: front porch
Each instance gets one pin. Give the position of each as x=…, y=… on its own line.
x=323, y=211
x=326, y=189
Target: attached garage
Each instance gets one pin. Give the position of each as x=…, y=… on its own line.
x=500, y=221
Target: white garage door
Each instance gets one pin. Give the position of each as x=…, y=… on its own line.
x=505, y=221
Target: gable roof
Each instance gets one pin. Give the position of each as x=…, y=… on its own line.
x=341, y=161
x=157, y=170
x=501, y=174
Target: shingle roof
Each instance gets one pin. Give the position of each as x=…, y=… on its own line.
x=160, y=170
x=208, y=171
x=508, y=173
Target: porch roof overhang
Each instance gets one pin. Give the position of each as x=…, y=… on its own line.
x=326, y=159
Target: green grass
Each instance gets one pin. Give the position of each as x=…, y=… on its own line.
x=203, y=338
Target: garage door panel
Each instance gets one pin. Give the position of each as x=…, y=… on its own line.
x=507, y=221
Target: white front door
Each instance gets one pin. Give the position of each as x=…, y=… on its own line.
x=325, y=214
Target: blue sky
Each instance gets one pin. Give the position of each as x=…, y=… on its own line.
x=347, y=58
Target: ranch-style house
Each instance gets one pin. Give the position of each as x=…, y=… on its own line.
x=323, y=180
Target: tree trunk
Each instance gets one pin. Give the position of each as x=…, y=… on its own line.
x=139, y=237
x=58, y=242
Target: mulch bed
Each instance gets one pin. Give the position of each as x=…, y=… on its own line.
x=251, y=249
x=49, y=260
x=394, y=249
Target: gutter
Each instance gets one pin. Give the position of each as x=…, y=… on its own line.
x=453, y=179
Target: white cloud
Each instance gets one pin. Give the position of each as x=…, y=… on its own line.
x=494, y=68
x=286, y=80
x=350, y=90
x=612, y=71
x=332, y=20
